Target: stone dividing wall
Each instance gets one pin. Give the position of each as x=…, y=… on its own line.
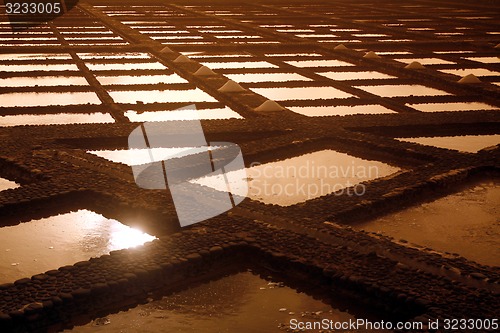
x=310, y=241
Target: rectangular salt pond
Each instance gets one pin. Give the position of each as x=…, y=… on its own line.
x=55, y=119
x=475, y=71
x=40, y=245
x=38, y=67
x=485, y=60
x=342, y=110
x=205, y=114
x=402, y=90
x=132, y=157
x=43, y=81
x=267, y=77
x=458, y=106
x=140, y=79
x=424, y=61
x=6, y=184
x=226, y=305
x=47, y=98
x=161, y=96
x=305, y=177
x=344, y=76
x=463, y=143
x=109, y=56
x=465, y=223
x=316, y=35
x=125, y=66
x=292, y=55
x=301, y=93
x=35, y=56
x=318, y=63
x=243, y=64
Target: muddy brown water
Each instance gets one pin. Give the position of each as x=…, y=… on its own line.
x=49, y=243
x=243, y=302
x=466, y=222
x=463, y=143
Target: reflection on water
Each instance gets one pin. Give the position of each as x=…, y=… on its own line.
x=47, y=98
x=43, y=81
x=243, y=64
x=6, y=184
x=35, y=56
x=402, y=90
x=225, y=113
x=475, y=71
x=161, y=96
x=342, y=110
x=140, y=79
x=41, y=245
x=238, y=303
x=305, y=177
x=425, y=61
x=293, y=55
x=125, y=66
x=267, y=77
x=319, y=63
x=437, y=107
x=142, y=156
x=38, y=67
x=55, y=119
x=465, y=222
x=301, y=93
x=125, y=55
x=342, y=76
x=464, y=143
x=485, y=60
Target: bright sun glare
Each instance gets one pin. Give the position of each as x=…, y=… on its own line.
x=123, y=237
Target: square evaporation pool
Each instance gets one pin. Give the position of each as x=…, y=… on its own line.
x=107, y=56
x=124, y=66
x=293, y=55
x=21, y=99
x=465, y=222
x=6, y=184
x=267, y=77
x=305, y=177
x=463, y=143
x=475, y=71
x=403, y=90
x=344, y=76
x=161, y=96
x=43, y=81
x=485, y=60
x=301, y=93
x=133, y=157
x=40, y=245
x=55, y=119
x=203, y=114
x=319, y=63
x=425, y=61
x=38, y=67
x=140, y=79
x=457, y=106
x=341, y=110
x=234, y=301
x=242, y=64
x=35, y=56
